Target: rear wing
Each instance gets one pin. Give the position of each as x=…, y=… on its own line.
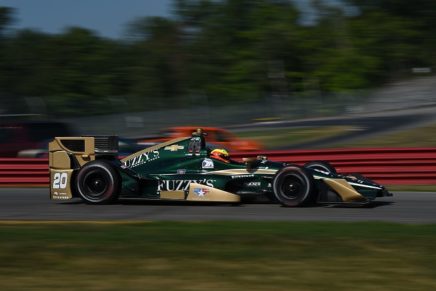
x=67, y=154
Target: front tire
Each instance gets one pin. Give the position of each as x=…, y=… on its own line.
x=98, y=183
x=293, y=186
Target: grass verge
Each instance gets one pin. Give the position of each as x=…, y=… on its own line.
x=276, y=138
x=414, y=188
x=417, y=137
x=217, y=256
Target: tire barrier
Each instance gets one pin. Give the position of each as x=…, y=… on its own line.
x=387, y=166
x=24, y=172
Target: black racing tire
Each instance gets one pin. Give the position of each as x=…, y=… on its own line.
x=322, y=166
x=98, y=183
x=293, y=186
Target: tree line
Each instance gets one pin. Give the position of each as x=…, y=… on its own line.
x=218, y=52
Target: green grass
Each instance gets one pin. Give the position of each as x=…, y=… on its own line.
x=422, y=136
x=275, y=138
x=414, y=188
x=217, y=256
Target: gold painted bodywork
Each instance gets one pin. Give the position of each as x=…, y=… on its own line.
x=82, y=157
x=60, y=190
x=59, y=160
x=345, y=190
x=60, y=165
x=212, y=194
x=172, y=195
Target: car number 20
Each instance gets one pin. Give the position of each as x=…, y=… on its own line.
x=60, y=180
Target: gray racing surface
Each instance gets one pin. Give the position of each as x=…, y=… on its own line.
x=34, y=204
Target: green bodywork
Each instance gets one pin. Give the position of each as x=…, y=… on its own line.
x=172, y=166
x=183, y=169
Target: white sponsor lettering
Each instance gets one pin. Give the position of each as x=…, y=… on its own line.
x=60, y=196
x=142, y=159
x=242, y=176
x=181, y=185
x=253, y=184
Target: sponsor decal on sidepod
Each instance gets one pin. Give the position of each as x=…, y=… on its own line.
x=142, y=159
x=181, y=185
x=207, y=164
x=201, y=192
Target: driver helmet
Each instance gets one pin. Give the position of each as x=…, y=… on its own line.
x=221, y=155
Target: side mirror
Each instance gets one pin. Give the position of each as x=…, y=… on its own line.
x=250, y=163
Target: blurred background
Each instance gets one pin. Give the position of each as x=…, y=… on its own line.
x=258, y=75
x=277, y=73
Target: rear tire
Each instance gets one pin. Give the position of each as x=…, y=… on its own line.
x=293, y=186
x=98, y=183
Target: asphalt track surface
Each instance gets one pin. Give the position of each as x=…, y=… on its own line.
x=34, y=204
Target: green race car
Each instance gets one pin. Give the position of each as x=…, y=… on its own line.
x=185, y=169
